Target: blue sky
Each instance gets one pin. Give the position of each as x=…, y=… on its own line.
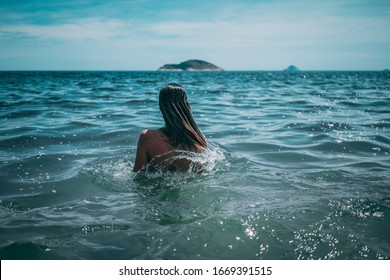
x=235, y=35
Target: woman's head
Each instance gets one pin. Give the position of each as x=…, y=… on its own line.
x=180, y=126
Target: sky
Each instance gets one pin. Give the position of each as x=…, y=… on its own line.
x=234, y=35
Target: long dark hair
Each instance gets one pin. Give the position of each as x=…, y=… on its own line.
x=180, y=126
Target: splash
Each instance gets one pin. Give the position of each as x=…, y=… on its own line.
x=187, y=161
x=117, y=174
x=114, y=175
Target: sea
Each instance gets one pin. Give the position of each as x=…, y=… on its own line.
x=298, y=167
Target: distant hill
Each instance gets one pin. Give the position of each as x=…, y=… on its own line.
x=191, y=65
x=292, y=68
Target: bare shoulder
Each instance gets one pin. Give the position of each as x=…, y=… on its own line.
x=148, y=134
x=152, y=135
x=144, y=134
x=143, y=137
x=151, y=144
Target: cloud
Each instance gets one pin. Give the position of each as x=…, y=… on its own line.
x=80, y=29
x=324, y=31
x=236, y=36
x=253, y=27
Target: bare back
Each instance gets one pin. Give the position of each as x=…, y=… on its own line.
x=155, y=151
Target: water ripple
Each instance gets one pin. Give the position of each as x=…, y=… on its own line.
x=302, y=172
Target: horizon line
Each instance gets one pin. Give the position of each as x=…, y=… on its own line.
x=196, y=71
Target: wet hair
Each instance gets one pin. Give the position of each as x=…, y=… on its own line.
x=180, y=126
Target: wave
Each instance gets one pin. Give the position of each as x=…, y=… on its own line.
x=26, y=113
x=27, y=250
x=44, y=167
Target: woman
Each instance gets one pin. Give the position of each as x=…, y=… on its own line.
x=165, y=148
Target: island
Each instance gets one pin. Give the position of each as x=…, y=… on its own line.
x=292, y=68
x=191, y=65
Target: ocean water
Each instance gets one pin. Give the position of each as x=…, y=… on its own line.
x=298, y=167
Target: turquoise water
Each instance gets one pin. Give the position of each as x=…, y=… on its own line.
x=298, y=168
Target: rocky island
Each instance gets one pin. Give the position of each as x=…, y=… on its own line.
x=191, y=65
x=292, y=68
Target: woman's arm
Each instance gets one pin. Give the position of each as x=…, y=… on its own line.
x=141, y=158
